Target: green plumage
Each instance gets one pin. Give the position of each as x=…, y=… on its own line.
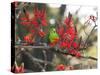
x=53, y=35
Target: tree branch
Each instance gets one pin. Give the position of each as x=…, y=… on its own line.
x=53, y=50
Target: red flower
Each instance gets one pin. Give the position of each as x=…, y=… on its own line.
x=64, y=36
x=68, y=21
x=72, y=52
x=78, y=54
x=68, y=45
x=71, y=33
x=41, y=33
x=38, y=20
x=63, y=45
x=60, y=67
x=70, y=30
x=68, y=37
x=35, y=22
x=60, y=31
x=25, y=23
x=44, y=22
x=28, y=38
x=33, y=31
x=18, y=69
x=39, y=17
x=75, y=45
x=23, y=18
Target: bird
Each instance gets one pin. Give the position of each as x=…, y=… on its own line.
x=53, y=36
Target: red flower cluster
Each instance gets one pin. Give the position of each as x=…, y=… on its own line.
x=75, y=45
x=18, y=69
x=25, y=23
x=28, y=38
x=41, y=33
x=37, y=21
x=69, y=35
x=39, y=17
x=60, y=67
x=60, y=31
x=68, y=21
x=65, y=44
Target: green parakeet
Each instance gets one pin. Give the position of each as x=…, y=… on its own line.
x=53, y=36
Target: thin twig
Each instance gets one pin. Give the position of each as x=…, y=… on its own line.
x=61, y=52
x=89, y=37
